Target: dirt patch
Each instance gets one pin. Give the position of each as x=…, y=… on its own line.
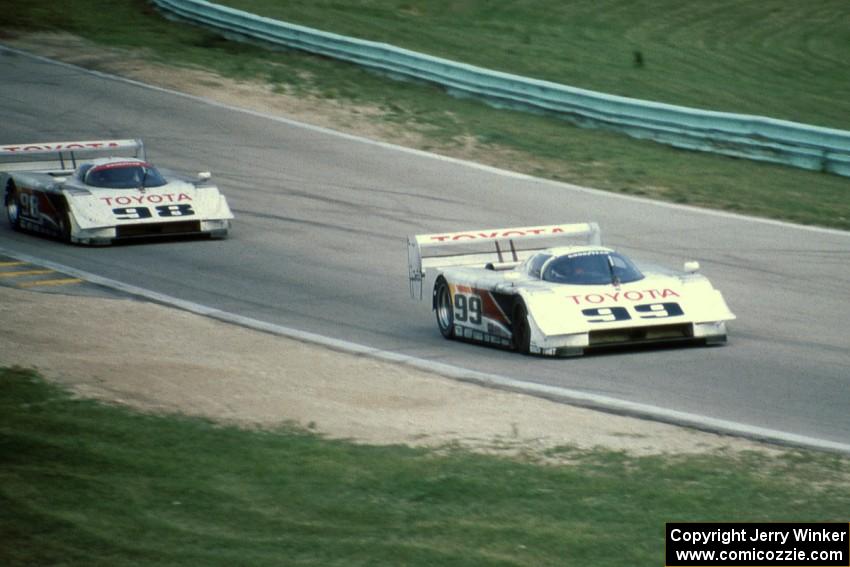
x=172, y=361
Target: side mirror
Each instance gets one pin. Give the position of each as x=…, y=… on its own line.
x=204, y=176
x=691, y=267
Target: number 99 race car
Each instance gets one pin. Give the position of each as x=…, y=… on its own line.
x=555, y=290
x=98, y=192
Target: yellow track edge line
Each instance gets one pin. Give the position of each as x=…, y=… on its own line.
x=26, y=273
x=44, y=283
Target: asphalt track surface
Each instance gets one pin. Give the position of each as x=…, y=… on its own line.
x=319, y=245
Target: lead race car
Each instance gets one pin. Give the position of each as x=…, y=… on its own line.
x=555, y=290
x=97, y=192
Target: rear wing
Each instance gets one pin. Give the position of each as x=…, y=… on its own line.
x=501, y=246
x=63, y=157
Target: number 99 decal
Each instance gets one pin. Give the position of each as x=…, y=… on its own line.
x=645, y=311
x=607, y=314
x=659, y=310
x=467, y=309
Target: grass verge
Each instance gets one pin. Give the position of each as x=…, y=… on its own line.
x=767, y=57
x=429, y=119
x=86, y=483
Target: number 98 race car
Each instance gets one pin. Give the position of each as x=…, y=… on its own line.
x=98, y=192
x=555, y=290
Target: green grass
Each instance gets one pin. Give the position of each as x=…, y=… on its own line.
x=774, y=57
x=759, y=57
x=82, y=483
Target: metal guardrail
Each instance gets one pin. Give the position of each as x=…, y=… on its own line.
x=752, y=137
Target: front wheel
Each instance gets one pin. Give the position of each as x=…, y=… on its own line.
x=717, y=340
x=64, y=226
x=521, y=338
x=444, y=309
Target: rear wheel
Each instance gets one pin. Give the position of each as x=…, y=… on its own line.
x=521, y=338
x=13, y=207
x=444, y=308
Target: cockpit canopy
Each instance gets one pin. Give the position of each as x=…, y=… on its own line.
x=583, y=267
x=129, y=174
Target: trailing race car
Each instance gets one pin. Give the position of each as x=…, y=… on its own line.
x=555, y=290
x=101, y=191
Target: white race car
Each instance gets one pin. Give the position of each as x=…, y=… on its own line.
x=555, y=290
x=97, y=192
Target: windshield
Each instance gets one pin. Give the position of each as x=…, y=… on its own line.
x=124, y=175
x=591, y=268
x=534, y=264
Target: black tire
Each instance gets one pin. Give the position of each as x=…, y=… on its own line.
x=444, y=309
x=716, y=341
x=13, y=207
x=64, y=226
x=521, y=337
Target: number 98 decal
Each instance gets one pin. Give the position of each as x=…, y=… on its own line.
x=28, y=203
x=135, y=213
x=645, y=311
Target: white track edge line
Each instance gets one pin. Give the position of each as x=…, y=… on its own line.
x=554, y=393
x=448, y=159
